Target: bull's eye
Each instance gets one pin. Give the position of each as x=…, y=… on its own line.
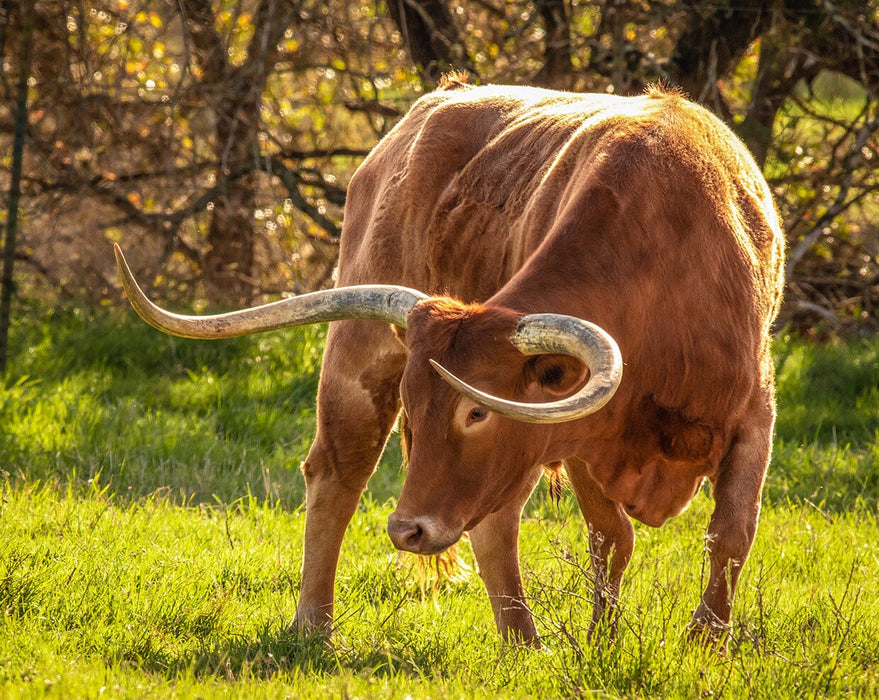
x=477, y=413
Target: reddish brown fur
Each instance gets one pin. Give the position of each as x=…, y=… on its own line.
x=644, y=215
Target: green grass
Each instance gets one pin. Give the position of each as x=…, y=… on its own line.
x=151, y=534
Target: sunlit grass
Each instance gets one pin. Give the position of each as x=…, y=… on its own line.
x=152, y=526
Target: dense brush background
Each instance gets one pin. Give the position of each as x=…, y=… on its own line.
x=151, y=507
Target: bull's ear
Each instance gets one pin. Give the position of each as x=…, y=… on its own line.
x=556, y=375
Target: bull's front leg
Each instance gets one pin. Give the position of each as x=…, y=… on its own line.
x=358, y=401
x=495, y=543
x=733, y=525
x=611, y=543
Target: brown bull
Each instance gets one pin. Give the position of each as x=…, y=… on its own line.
x=644, y=215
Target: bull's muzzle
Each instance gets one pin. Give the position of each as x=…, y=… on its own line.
x=420, y=535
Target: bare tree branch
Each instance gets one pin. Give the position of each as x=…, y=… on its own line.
x=840, y=203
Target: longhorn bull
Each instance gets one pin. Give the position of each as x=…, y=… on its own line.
x=479, y=235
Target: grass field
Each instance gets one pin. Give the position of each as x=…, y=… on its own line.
x=151, y=527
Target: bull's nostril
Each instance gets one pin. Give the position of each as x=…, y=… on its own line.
x=414, y=538
x=405, y=534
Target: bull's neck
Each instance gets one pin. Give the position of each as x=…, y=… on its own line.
x=481, y=261
x=538, y=288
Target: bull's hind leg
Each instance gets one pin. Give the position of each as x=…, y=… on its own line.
x=611, y=542
x=495, y=544
x=358, y=401
x=734, y=521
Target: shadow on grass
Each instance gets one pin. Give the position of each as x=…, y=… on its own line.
x=828, y=394
x=53, y=343
x=264, y=657
x=279, y=654
x=98, y=392
x=94, y=392
x=827, y=433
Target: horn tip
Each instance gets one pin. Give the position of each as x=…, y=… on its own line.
x=120, y=258
x=442, y=371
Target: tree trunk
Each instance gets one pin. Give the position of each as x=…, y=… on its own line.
x=431, y=37
x=712, y=45
x=556, y=71
x=229, y=259
x=26, y=14
x=234, y=93
x=774, y=83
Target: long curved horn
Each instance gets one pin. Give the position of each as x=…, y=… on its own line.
x=370, y=302
x=539, y=334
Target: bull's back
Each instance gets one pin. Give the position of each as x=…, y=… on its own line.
x=468, y=185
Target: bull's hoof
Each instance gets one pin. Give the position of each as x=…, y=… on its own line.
x=518, y=638
x=709, y=630
x=316, y=628
x=318, y=640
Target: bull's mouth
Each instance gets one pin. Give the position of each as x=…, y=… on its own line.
x=421, y=535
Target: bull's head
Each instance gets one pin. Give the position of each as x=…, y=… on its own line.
x=452, y=431
x=467, y=449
